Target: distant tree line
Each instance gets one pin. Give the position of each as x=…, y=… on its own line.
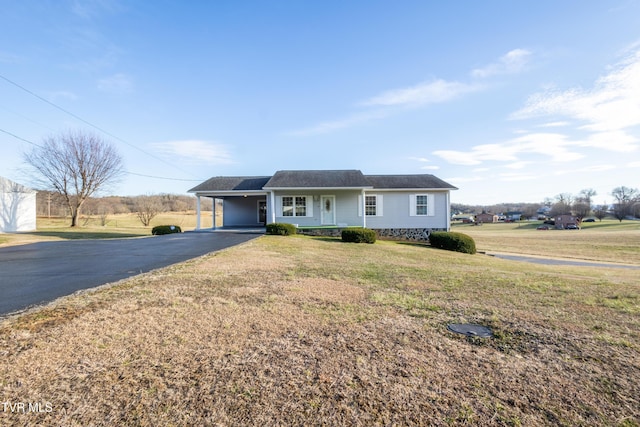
x=49, y=203
x=626, y=205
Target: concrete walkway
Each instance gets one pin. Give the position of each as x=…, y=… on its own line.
x=554, y=261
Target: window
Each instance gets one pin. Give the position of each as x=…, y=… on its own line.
x=295, y=206
x=370, y=205
x=422, y=204
x=287, y=206
x=301, y=206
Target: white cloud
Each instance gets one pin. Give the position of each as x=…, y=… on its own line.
x=514, y=61
x=432, y=167
x=609, y=109
x=116, y=84
x=330, y=126
x=61, y=94
x=196, y=151
x=555, y=146
x=554, y=124
x=433, y=92
x=92, y=8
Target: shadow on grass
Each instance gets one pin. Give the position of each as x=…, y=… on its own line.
x=78, y=235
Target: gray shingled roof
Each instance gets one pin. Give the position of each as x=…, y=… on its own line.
x=407, y=181
x=318, y=179
x=321, y=179
x=231, y=183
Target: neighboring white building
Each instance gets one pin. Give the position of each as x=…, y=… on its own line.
x=17, y=207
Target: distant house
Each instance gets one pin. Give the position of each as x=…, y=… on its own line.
x=464, y=217
x=486, y=217
x=563, y=221
x=17, y=207
x=411, y=205
x=513, y=216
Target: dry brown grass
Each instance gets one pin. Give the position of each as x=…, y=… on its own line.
x=304, y=331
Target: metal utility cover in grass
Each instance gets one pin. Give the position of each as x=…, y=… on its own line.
x=470, y=330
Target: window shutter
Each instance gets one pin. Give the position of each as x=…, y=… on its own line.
x=360, y=205
x=309, y=202
x=278, y=205
x=431, y=205
x=412, y=205
x=379, y=205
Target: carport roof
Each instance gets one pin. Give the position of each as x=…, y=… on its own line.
x=232, y=183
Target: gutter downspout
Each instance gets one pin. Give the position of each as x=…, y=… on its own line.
x=448, y=210
x=364, y=213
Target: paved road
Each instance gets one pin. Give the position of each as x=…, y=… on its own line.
x=41, y=272
x=552, y=261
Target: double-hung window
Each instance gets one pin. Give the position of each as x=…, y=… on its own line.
x=295, y=206
x=421, y=205
x=370, y=205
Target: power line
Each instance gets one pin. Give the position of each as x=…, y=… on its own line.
x=161, y=177
x=127, y=172
x=90, y=124
x=20, y=138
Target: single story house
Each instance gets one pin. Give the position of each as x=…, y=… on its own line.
x=563, y=221
x=17, y=207
x=487, y=217
x=407, y=206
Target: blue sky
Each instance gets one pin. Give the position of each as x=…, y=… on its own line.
x=509, y=101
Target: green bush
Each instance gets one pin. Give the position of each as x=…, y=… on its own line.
x=453, y=241
x=165, y=229
x=358, y=235
x=282, y=229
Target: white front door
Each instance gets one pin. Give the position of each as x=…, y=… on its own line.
x=327, y=206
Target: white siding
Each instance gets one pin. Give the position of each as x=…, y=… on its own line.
x=17, y=211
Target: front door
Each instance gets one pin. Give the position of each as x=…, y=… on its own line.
x=327, y=206
x=262, y=212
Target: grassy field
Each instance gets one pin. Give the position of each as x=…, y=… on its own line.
x=608, y=241
x=312, y=331
x=117, y=226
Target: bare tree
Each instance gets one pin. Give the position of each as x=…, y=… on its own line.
x=147, y=207
x=600, y=211
x=75, y=164
x=626, y=198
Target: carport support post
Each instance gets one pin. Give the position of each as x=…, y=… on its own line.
x=197, y=212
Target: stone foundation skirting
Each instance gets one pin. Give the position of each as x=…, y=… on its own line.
x=411, y=234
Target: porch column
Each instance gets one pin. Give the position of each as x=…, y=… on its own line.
x=364, y=212
x=272, y=202
x=213, y=214
x=197, y=212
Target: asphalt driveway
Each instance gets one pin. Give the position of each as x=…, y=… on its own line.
x=41, y=272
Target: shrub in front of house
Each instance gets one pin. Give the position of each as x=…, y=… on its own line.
x=165, y=229
x=453, y=241
x=358, y=235
x=281, y=229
